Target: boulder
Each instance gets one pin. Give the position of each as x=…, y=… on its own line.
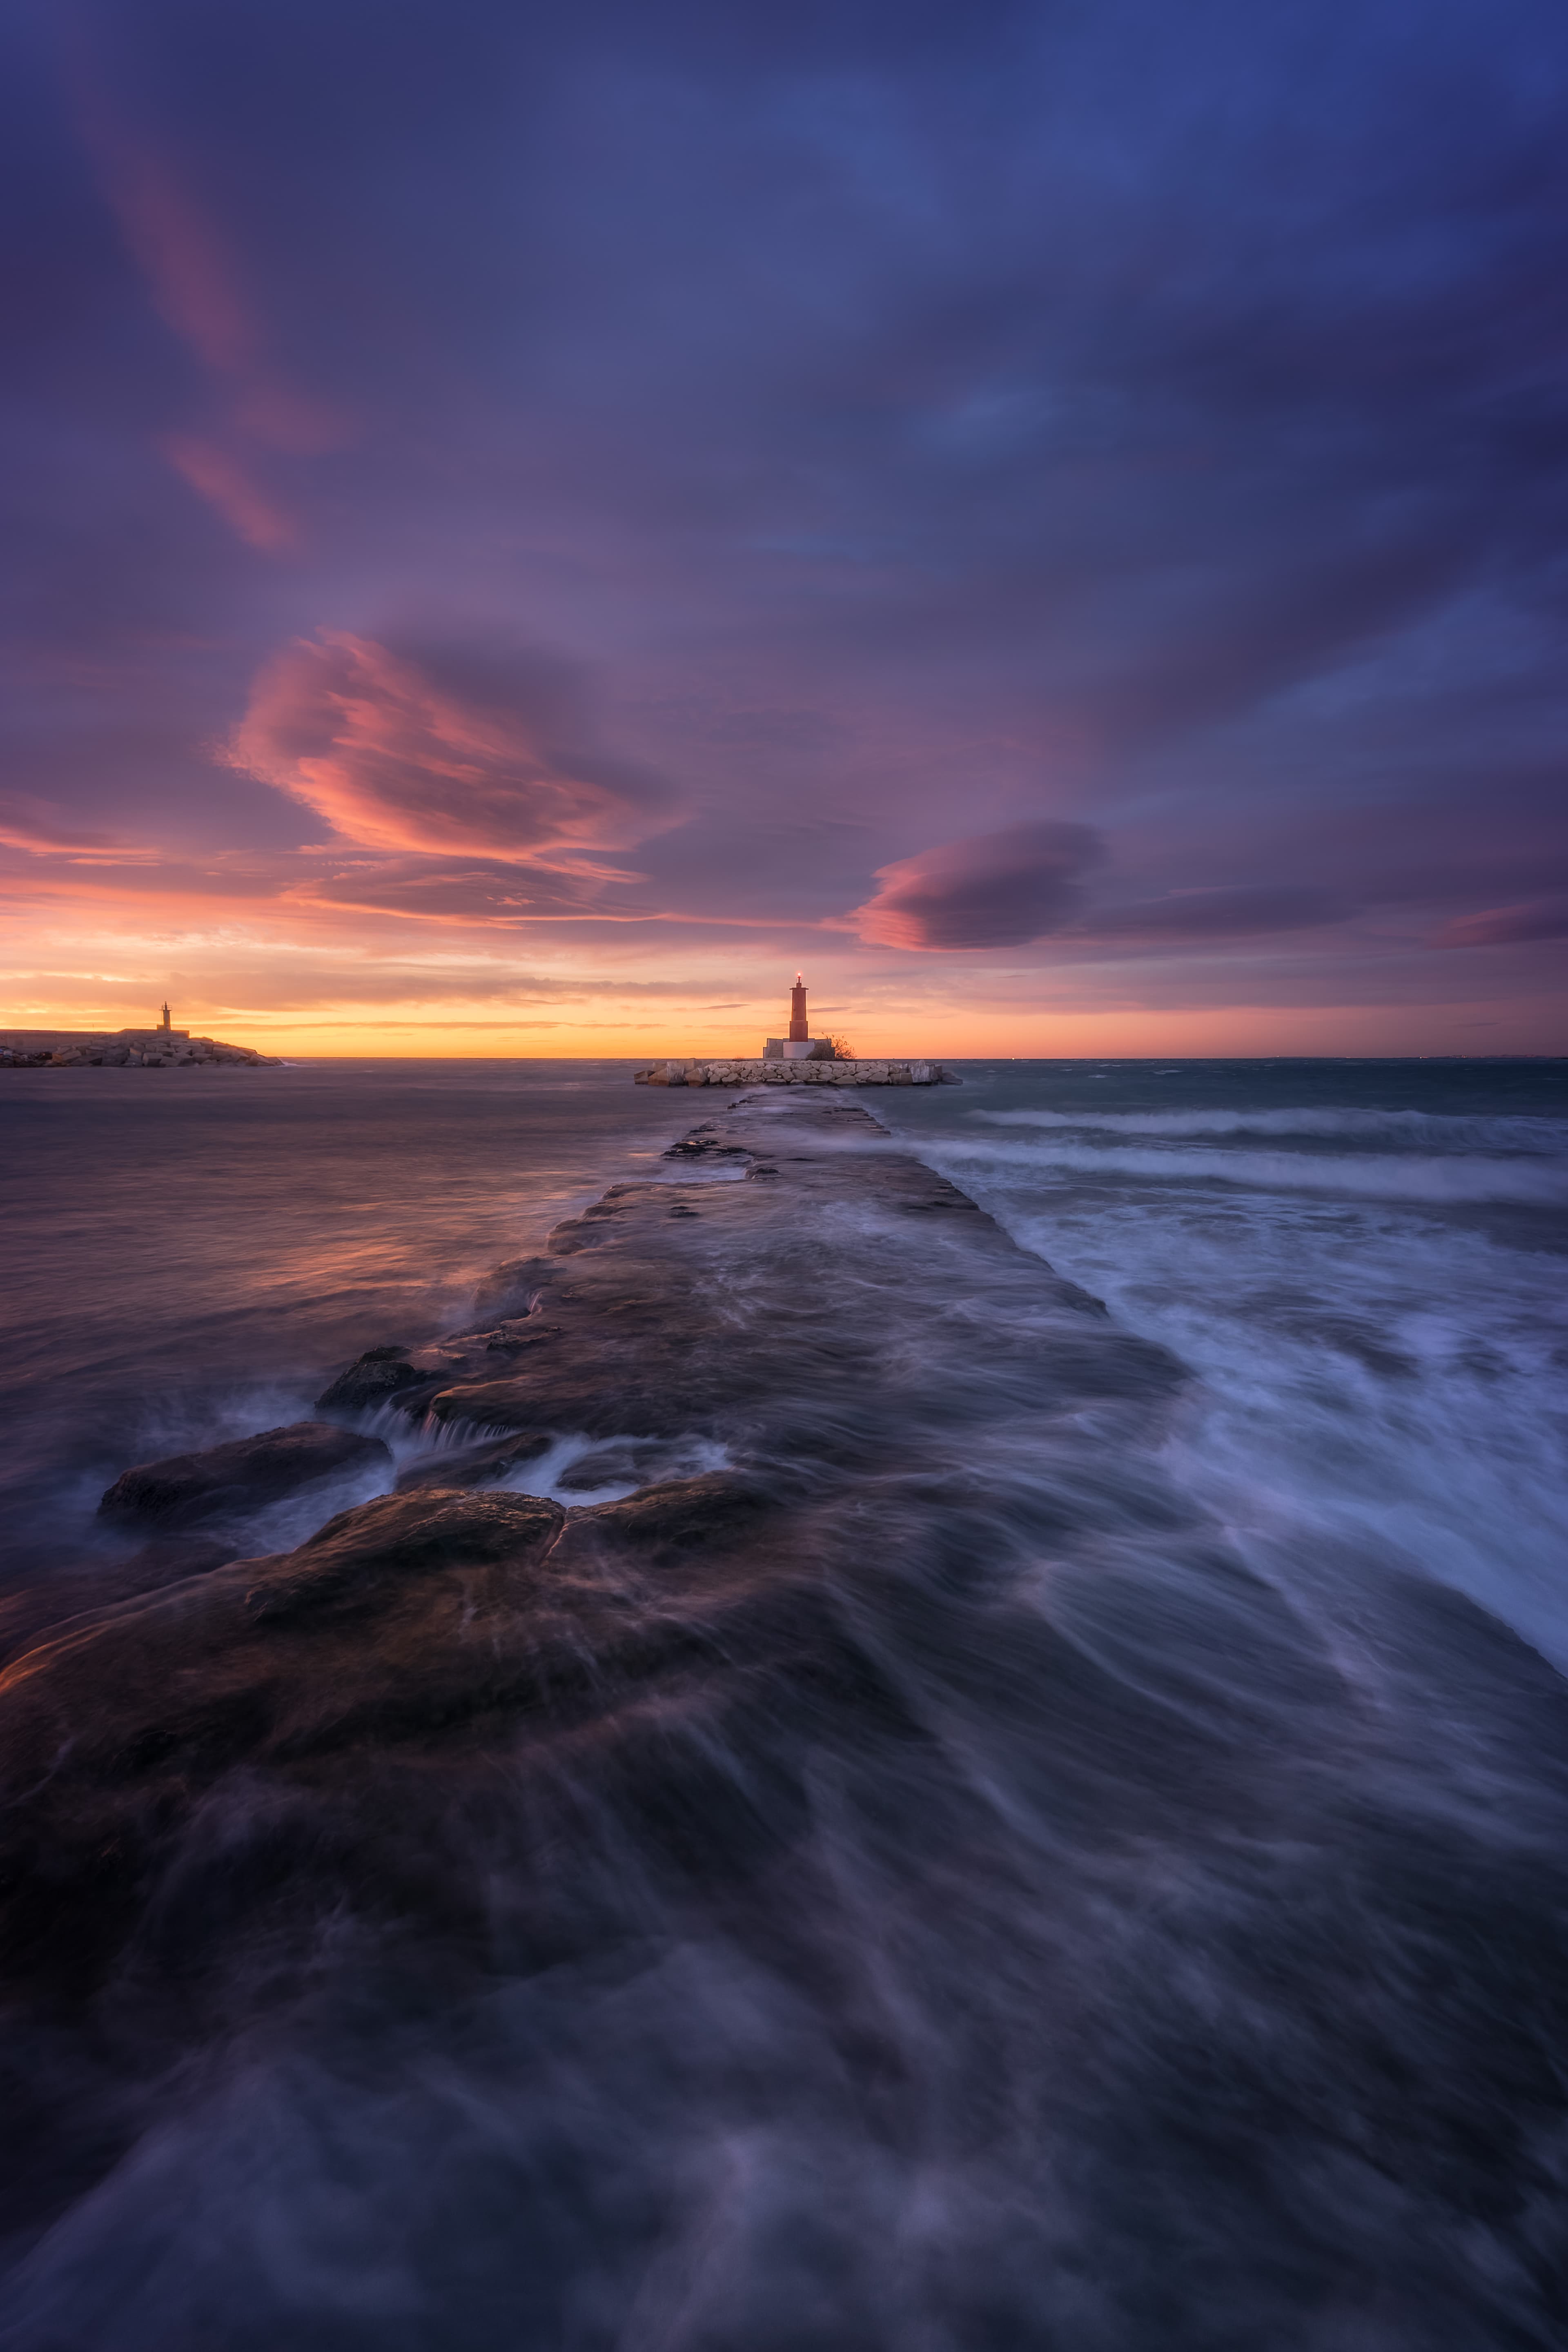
x=479, y=1466
x=380, y=1374
x=189, y=1488
x=357, y=1560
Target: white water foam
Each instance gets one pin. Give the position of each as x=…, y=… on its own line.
x=1437, y=1129
x=1528, y=1183
x=1372, y=1382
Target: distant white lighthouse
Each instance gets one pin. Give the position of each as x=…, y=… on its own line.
x=164, y=1022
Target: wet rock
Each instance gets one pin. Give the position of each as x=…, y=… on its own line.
x=25, y=1617
x=380, y=1374
x=483, y=1465
x=350, y=1560
x=718, y=1511
x=186, y=1488
x=365, y=1683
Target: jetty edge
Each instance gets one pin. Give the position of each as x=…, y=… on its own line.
x=763, y=1072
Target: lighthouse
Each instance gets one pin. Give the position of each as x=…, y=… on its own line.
x=800, y=1045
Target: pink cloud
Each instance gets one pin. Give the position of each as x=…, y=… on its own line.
x=34, y=826
x=995, y=889
x=436, y=754
x=198, y=288
x=1539, y=918
x=228, y=489
x=274, y=414
x=192, y=276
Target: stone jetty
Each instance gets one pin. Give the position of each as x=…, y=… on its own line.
x=863, y=1864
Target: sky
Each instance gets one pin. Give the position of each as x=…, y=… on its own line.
x=529, y=525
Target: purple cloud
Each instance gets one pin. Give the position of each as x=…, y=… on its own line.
x=1541, y=918
x=996, y=890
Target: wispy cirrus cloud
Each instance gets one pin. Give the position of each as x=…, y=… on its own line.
x=1539, y=918
x=197, y=286
x=220, y=479
x=1197, y=916
x=37, y=828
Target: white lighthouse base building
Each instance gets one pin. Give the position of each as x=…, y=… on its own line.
x=797, y=1049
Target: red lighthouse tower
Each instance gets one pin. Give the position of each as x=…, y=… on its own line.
x=800, y=1045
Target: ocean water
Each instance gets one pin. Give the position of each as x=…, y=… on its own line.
x=1162, y=1947
x=190, y=1265
x=1365, y=1262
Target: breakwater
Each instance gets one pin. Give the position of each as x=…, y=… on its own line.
x=801, y=1073
x=780, y=1823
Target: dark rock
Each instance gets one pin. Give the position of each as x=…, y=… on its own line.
x=718, y=1511
x=321, y=1713
x=483, y=1465
x=188, y=1488
x=517, y=1283
x=349, y=1561
x=380, y=1374
x=96, y=1585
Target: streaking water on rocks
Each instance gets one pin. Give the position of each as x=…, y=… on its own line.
x=991, y=1822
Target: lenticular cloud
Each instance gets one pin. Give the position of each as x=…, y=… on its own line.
x=996, y=890
x=433, y=751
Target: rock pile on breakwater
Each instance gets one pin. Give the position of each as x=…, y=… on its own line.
x=802, y=1072
x=149, y=1049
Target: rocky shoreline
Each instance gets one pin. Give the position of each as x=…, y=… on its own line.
x=45, y=1049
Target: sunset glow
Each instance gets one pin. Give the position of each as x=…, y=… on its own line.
x=514, y=563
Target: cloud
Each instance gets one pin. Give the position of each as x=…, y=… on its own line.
x=444, y=752
x=35, y=826
x=192, y=277
x=1507, y=926
x=198, y=288
x=223, y=481
x=1215, y=914
x=994, y=890
x=488, y=893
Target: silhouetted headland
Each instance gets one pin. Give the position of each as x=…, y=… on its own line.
x=135, y=1049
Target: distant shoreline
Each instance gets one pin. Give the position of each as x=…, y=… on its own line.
x=135, y=1049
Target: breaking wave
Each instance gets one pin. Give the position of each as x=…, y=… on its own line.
x=1376, y=1126
x=1394, y=1176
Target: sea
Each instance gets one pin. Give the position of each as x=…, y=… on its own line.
x=1297, y=2080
